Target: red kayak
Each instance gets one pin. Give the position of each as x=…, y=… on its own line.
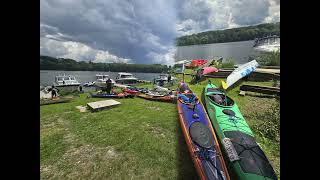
x=207, y=70
x=130, y=91
x=198, y=62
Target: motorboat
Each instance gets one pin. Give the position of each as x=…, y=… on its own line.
x=89, y=84
x=101, y=80
x=267, y=44
x=126, y=78
x=163, y=78
x=66, y=82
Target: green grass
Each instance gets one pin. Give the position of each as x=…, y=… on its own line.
x=138, y=139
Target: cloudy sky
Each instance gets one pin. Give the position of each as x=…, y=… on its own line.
x=139, y=31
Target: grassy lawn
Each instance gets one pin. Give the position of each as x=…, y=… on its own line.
x=138, y=139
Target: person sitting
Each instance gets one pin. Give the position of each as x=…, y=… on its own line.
x=183, y=87
x=198, y=76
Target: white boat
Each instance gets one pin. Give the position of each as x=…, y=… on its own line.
x=101, y=80
x=89, y=84
x=267, y=44
x=66, y=82
x=126, y=78
x=163, y=77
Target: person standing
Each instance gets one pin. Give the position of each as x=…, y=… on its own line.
x=80, y=88
x=53, y=92
x=109, y=85
x=169, y=79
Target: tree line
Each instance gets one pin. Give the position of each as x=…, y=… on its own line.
x=51, y=63
x=230, y=35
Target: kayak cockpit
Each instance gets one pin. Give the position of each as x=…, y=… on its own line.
x=218, y=97
x=200, y=134
x=188, y=98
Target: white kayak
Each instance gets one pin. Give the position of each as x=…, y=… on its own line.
x=161, y=89
x=242, y=71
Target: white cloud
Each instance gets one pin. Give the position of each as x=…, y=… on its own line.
x=274, y=12
x=77, y=51
x=105, y=56
x=203, y=15
x=167, y=58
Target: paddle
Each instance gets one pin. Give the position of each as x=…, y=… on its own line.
x=224, y=87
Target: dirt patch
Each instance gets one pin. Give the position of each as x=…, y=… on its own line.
x=82, y=108
x=157, y=131
x=81, y=161
x=54, y=124
x=47, y=171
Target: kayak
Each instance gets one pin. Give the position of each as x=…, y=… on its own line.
x=105, y=95
x=164, y=98
x=199, y=75
x=246, y=159
x=142, y=90
x=198, y=62
x=161, y=89
x=131, y=91
x=207, y=70
x=200, y=137
x=55, y=100
x=241, y=71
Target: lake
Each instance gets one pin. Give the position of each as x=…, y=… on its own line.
x=47, y=76
x=239, y=51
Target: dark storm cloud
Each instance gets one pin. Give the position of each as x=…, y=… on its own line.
x=136, y=31
x=128, y=29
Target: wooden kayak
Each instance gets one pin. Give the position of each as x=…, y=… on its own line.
x=164, y=98
x=200, y=138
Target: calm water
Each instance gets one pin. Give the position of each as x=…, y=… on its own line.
x=239, y=51
x=47, y=76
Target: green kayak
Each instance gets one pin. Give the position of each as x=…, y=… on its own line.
x=245, y=158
